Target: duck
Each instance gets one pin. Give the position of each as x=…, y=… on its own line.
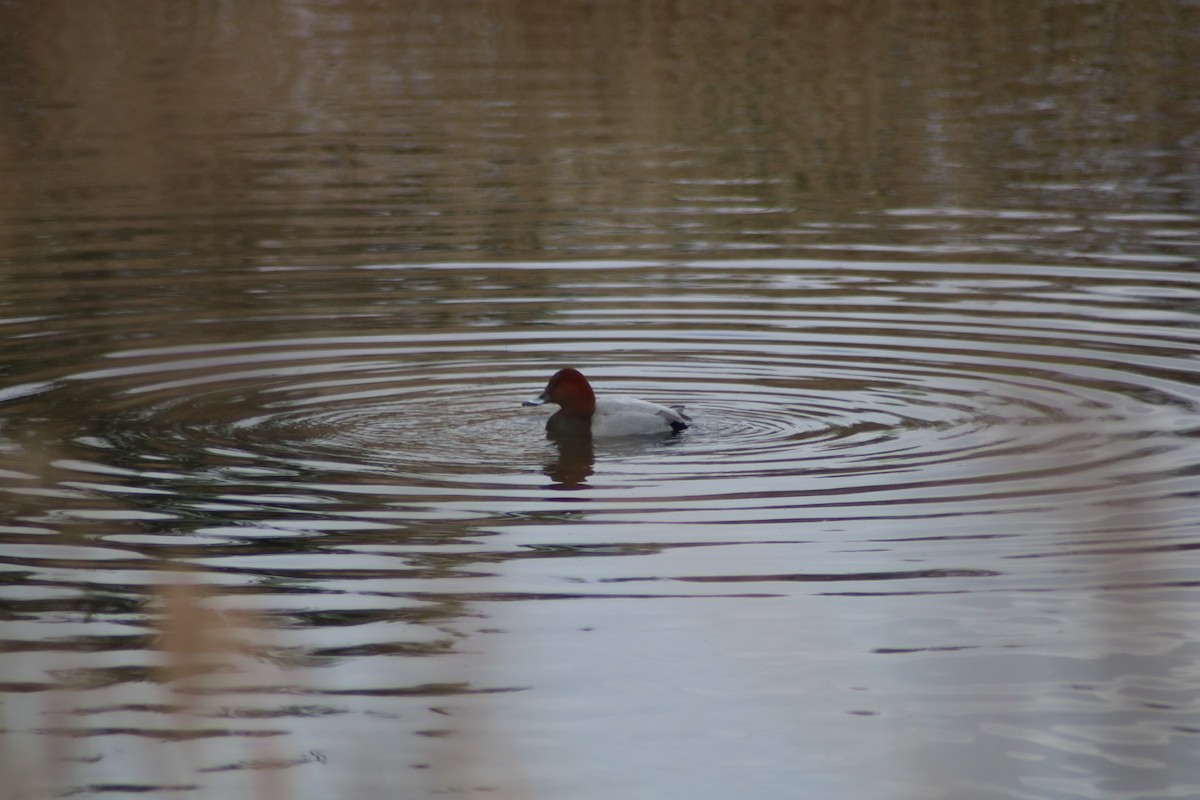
x=582, y=414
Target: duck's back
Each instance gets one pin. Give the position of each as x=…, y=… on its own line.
x=627, y=416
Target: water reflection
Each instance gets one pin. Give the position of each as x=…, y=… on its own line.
x=957, y=479
x=573, y=462
x=955, y=132
x=957, y=468
x=277, y=277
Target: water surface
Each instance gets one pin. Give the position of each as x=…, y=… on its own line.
x=276, y=281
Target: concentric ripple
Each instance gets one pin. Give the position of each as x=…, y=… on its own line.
x=965, y=467
x=878, y=390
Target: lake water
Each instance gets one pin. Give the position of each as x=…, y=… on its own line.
x=277, y=277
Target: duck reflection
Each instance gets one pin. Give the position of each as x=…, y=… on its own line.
x=573, y=463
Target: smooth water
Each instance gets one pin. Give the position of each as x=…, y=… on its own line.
x=274, y=281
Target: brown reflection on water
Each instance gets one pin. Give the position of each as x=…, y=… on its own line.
x=573, y=463
x=285, y=133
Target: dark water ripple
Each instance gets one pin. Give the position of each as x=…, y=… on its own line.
x=982, y=476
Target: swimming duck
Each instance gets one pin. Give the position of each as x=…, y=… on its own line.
x=581, y=413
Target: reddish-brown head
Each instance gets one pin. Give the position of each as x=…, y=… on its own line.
x=569, y=389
